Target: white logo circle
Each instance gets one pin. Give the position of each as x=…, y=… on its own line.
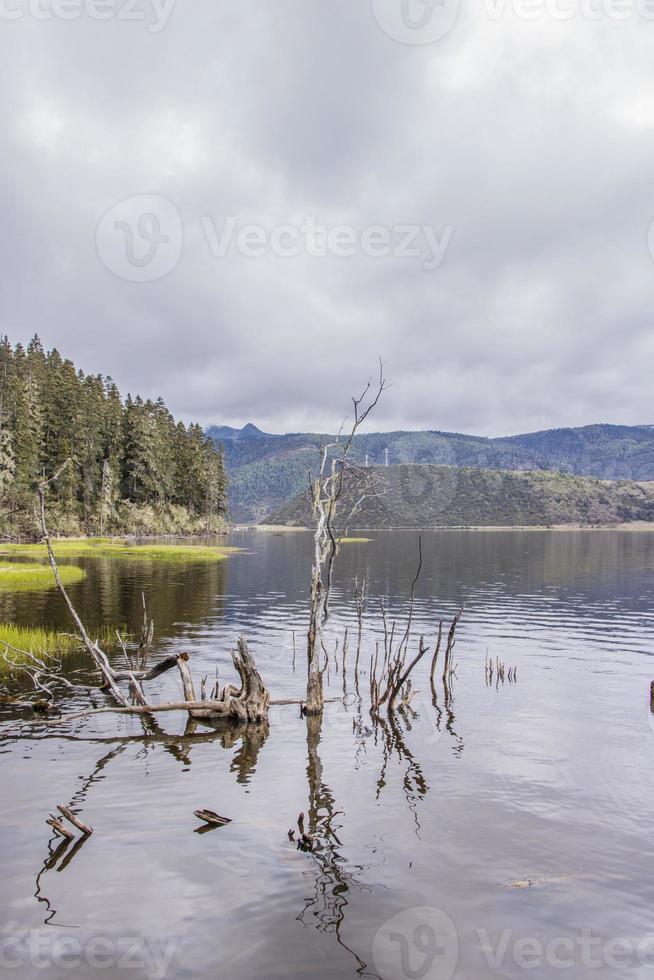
x=416, y=21
x=140, y=239
x=417, y=944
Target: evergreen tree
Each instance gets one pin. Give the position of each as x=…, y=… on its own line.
x=117, y=454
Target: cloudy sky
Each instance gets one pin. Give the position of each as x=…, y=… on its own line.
x=241, y=206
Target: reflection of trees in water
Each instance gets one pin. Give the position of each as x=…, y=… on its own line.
x=176, y=592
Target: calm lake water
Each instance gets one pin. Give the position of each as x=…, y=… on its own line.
x=422, y=827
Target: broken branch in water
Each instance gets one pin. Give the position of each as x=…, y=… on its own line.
x=60, y=827
x=212, y=818
x=75, y=820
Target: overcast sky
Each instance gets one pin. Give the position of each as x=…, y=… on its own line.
x=524, y=147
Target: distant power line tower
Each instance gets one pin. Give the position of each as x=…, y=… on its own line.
x=387, y=452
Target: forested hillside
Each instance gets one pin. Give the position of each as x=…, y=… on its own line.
x=412, y=495
x=265, y=470
x=132, y=468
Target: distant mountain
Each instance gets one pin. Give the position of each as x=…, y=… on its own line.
x=266, y=470
x=410, y=495
x=220, y=432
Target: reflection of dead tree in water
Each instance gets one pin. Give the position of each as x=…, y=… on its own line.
x=414, y=784
x=447, y=681
x=61, y=856
x=245, y=760
x=326, y=909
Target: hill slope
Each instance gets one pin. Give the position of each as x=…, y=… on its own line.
x=411, y=495
x=265, y=470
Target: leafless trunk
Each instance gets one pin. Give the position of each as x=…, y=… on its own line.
x=326, y=492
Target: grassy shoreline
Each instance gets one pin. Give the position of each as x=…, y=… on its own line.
x=45, y=641
x=119, y=548
x=32, y=577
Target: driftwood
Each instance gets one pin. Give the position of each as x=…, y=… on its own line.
x=60, y=827
x=248, y=704
x=75, y=820
x=212, y=818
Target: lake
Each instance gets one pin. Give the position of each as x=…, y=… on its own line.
x=503, y=831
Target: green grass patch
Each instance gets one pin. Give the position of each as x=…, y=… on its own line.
x=40, y=640
x=29, y=577
x=120, y=548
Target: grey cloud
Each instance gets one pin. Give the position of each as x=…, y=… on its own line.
x=533, y=140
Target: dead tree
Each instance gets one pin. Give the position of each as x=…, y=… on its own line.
x=326, y=492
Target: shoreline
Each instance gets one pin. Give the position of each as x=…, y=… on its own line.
x=631, y=526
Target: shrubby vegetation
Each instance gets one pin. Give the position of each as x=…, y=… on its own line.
x=133, y=468
x=446, y=496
